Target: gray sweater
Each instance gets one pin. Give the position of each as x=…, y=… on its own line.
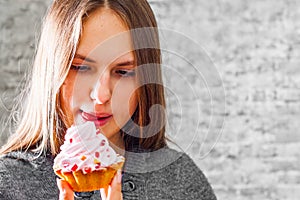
x=163, y=174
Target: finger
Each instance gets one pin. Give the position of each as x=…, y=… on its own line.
x=65, y=191
x=103, y=193
x=115, y=192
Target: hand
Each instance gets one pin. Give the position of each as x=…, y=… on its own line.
x=113, y=192
x=65, y=191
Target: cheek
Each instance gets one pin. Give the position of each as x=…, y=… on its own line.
x=130, y=100
x=133, y=102
x=74, y=91
x=66, y=93
x=67, y=90
x=124, y=101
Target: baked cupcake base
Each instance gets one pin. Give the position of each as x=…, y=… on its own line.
x=91, y=181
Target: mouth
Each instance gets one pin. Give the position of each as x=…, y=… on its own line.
x=99, y=119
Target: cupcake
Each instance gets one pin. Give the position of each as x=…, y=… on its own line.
x=86, y=160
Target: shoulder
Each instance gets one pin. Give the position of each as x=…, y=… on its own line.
x=15, y=167
x=186, y=179
x=21, y=160
x=188, y=167
x=175, y=175
x=24, y=163
x=23, y=172
x=10, y=162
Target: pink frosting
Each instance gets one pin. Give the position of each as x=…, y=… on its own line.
x=85, y=149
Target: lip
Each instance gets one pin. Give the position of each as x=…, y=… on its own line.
x=99, y=119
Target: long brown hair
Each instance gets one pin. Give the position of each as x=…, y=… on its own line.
x=42, y=123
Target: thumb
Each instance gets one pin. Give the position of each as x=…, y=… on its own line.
x=114, y=192
x=65, y=191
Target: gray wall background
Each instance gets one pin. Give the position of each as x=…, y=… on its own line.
x=254, y=45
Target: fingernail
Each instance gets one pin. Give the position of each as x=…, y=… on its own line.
x=119, y=176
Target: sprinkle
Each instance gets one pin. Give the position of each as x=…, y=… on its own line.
x=107, y=150
x=97, y=166
x=96, y=161
x=74, y=167
x=108, y=156
x=87, y=169
x=97, y=154
x=82, y=158
x=65, y=164
x=71, y=140
x=102, y=143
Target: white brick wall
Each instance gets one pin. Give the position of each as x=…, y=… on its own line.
x=255, y=47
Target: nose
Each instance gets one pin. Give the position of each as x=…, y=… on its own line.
x=101, y=92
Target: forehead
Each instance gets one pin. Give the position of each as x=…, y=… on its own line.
x=104, y=36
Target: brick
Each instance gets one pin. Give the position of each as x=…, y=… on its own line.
x=282, y=164
x=290, y=191
x=289, y=177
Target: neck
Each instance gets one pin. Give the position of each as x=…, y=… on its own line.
x=117, y=144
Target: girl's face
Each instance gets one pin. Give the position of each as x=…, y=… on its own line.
x=101, y=84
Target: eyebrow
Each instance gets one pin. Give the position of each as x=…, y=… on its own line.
x=126, y=63
x=84, y=58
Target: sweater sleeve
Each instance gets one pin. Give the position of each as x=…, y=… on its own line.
x=190, y=182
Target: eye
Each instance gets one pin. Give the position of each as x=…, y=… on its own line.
x=125, y=72
x=81, y=68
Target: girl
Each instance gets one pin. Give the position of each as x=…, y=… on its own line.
x=98, y=60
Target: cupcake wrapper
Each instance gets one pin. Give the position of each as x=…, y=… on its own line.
x=94, y=180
